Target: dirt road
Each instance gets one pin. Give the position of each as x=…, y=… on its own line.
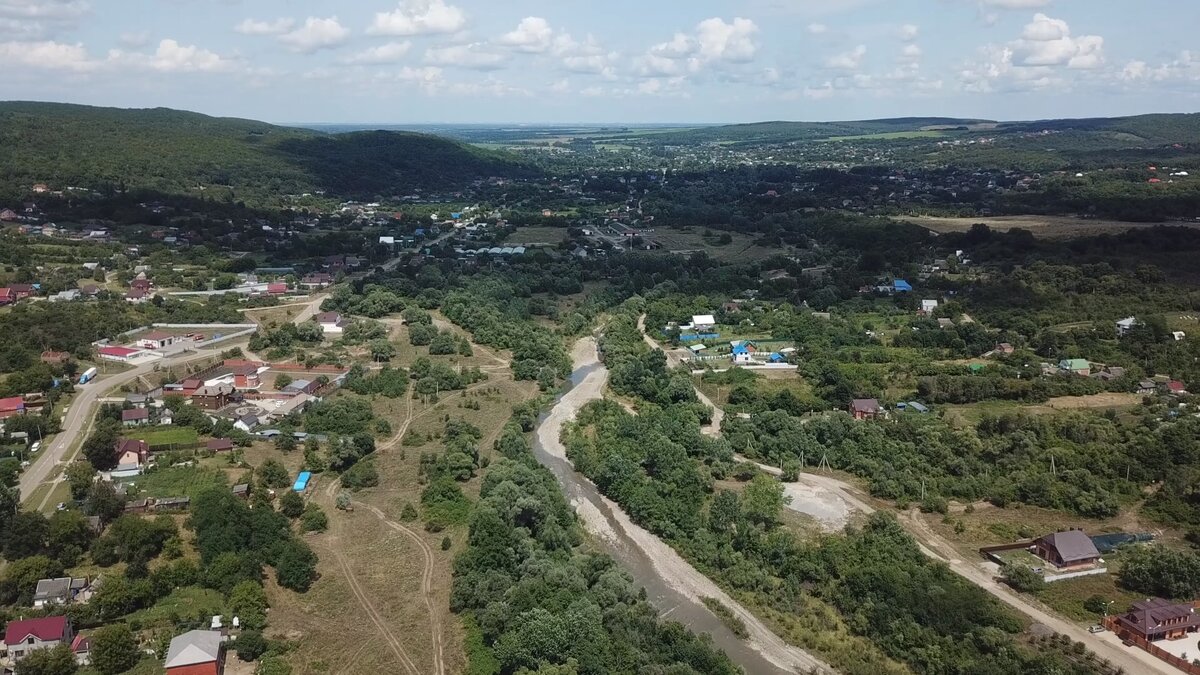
x=674, y=359
x=672, y=569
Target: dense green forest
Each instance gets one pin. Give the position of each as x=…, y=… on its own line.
x=174, y=152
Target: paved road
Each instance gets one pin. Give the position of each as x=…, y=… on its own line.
x=79, y=415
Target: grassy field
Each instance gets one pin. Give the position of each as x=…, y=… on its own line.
x=160, y=436
x=272, y=316
x=741, y=249
x=190, y=602
x=890, y=135
x=372, y=573
x=1047, y=227
x=179, y=481
x=971, y=413
x=532, y=235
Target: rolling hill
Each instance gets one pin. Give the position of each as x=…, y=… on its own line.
x=178, y=152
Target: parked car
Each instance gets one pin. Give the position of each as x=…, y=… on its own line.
x=1096, y=629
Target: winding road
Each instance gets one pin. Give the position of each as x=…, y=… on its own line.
x=1105, y=645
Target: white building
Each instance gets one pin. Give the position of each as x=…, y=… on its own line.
x=331, y=322
x=927, y=306
x=1125, y=325
x=702, y=322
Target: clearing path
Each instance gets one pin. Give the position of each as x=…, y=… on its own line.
x=426, y=587
x=651, y=562
x=364, y=599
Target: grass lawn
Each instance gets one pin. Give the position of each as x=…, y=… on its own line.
x=179, y=481
x=527, y=235
x=162, y=436
x=1067, y=597
x=741, y=249
x=186, y=602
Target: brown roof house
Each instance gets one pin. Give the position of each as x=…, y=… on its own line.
x=1156, y=619
x=214, y=397
x=865, y=408
x=1072, y=549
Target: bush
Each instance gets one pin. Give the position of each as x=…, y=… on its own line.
x=1022, y=578
x=361, y=475
x=250, y=645
x=314, y=519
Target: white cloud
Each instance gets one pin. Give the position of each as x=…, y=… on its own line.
x=1046, y=41
x=850, y=60
x=1185, y=68
x=910, y=52
x=391, y=52
x=35, y=20
x=533, y=34
x=817, y=29
x=909, y=32
x=47, y=55
x=276, y=27
x=44, y=10
x=172, y=57
x=819, y=92
x=1015, y=4
x=419, y=17
x=474, y=56
x=316, y=34
x=714, y=42
x=679, y=46
x=720, y=41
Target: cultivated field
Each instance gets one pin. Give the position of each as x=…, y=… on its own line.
x=1047, y=227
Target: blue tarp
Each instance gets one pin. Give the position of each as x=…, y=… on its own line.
x=302, y=481
x=699, y=336
x=901, y=285
x=776, y=357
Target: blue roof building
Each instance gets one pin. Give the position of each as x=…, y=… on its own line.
x=901, y=286
x=776, y=357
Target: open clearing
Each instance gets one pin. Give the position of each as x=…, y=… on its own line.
x=741, y=249
x=1047, y=227
x=385, y=579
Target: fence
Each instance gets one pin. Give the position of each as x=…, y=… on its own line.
x=1111, y=623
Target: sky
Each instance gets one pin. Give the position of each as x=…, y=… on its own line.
x=606, y=61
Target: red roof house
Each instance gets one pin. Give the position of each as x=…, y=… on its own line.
x=22, y=637
x=117, y=353
x=11, y=406
x=277, y=288
x=6, y=296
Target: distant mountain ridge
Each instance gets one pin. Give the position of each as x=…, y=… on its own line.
x=1153, y=128
x=178, y=152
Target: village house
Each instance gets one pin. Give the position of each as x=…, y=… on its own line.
x=11, y=406
x=219, y=445
x=1127, y=324
x=928, y=307
x=245, y=376
x=865, y=408
x=28, y=635
x=55, y=358
x=331, y=322
x=1076, y=367
x=81, y=647
x=132, y=455
x=1157, y=619
x=1176, y=388
x=61, y=591
x=214, y=397
x=703, y=322
x=316, y=280
x=136, y=296
x=1071, y=549
x=196, y=652
x=135, y=417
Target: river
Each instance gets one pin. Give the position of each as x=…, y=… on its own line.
x=672, y=585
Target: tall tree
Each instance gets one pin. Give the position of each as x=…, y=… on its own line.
x=114, y=649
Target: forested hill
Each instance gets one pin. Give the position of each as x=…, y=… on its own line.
x=179, y=152
x=1155, y=129
x=777, y=132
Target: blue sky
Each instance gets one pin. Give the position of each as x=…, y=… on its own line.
x=463, y=61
